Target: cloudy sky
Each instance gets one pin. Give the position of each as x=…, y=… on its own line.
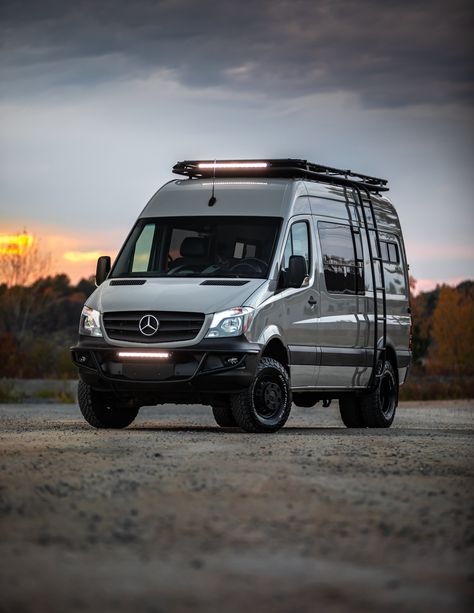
x=99, y=98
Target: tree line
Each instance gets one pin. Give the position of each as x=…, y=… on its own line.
x=443, y=330
x=39, y=322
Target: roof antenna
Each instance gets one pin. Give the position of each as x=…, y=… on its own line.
x=213, y=199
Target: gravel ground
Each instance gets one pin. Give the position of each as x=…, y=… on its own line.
x=175, y=514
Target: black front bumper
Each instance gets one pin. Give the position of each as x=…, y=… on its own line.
x=213, y=366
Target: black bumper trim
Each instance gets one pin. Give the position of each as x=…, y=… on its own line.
x=229, y=378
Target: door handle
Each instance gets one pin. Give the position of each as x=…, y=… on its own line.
x=312, y=302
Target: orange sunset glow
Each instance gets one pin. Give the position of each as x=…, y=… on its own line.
x=15, y=244
x=82, y=256
x=66, y=253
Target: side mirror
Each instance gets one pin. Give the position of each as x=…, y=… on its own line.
x=297, y=271
x=102, y=270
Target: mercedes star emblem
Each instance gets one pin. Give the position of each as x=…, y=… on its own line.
x=148, y=325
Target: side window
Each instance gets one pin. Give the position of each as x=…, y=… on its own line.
x=393, y=269
x=390, y=252
x=342, y=258
x=297, y=244
x=143, y=247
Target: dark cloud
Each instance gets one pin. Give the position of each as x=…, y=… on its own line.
x=390, y=53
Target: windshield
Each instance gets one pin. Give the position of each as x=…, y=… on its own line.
x=199, y=247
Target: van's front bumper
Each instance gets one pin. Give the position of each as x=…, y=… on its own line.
x=212, y=366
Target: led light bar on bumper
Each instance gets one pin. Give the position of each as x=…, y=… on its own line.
x=163, y=355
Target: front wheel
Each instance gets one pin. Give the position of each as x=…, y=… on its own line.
x=100, y=412
x=265, y=405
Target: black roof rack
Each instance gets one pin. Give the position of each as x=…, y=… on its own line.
x=291, y=168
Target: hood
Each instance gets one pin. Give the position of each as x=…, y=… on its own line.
x=165, y=294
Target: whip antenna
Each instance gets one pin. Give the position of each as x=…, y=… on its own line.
x=213, y=199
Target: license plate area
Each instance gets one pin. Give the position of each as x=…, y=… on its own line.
x=151, y=371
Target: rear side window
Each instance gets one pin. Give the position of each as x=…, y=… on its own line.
x=394, y=274
x=390, y=252
x=342, y=258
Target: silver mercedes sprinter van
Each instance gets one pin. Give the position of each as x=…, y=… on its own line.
x=247, y=285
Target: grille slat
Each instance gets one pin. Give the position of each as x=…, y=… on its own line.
x=174, y=326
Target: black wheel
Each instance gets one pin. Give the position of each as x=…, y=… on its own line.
x=266, y=404
x=223, y=415
x=99, y=412
x=378, y=407
x=351, y=412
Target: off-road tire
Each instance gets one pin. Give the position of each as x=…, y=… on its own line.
x=378, y=407
x=99, y=413
x=224, y=416
x=351, y=412
x=270, y=391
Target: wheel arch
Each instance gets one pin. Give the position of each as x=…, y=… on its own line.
x=391, y=356
x=276, y=349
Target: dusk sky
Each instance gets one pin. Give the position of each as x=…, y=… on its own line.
x=99, y=100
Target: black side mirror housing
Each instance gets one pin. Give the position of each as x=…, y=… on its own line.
x=102, y=270
x=297, y=271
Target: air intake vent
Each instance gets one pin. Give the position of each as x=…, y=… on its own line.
x=128, y=282
x=171, y=326
x=224, y=282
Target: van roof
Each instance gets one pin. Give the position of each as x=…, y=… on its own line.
x=251, y=196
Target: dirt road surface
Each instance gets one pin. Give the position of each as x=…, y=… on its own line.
x=175, y=514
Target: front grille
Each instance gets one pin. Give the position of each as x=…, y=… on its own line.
x=174, y=326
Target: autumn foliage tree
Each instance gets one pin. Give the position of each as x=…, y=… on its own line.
x=22, y=260
x=453, y=332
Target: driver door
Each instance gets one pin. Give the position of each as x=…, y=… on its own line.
x=299, y=305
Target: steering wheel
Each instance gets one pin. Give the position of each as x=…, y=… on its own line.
x=254, y=264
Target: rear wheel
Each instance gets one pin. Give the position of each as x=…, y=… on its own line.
x=378, y=407
x=100, y=411
x=223, y=415
x=266, y=404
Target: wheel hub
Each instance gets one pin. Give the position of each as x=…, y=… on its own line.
x=387, y=395
x=268, y=398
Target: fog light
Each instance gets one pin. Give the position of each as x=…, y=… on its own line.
x=82, y=358
x=231, y=361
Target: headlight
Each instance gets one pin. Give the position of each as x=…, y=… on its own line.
x=90, y=322
x=232, y=322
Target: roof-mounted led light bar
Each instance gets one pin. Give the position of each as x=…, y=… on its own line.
x=289, y=168
x=230, y=165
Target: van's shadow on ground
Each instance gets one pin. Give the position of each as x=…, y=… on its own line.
x=286, y=431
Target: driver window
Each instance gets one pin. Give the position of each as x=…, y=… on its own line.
x=297, y=244
x=141, y=256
